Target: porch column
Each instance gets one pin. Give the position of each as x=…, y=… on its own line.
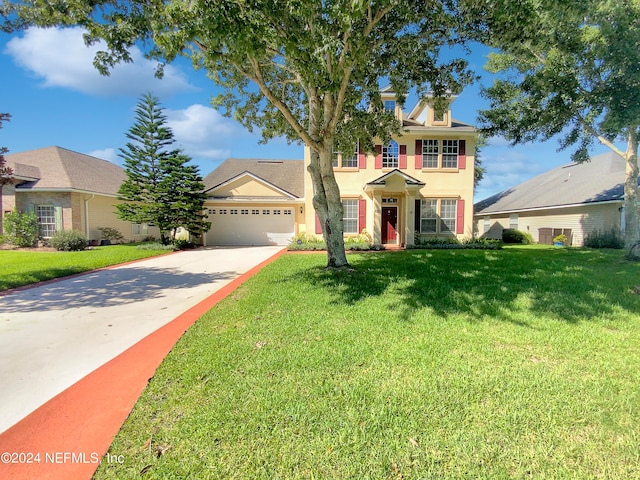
x=376, y=232
x=409, y=214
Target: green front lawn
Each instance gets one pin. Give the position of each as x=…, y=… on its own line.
x=23, y=267
x=521, y=363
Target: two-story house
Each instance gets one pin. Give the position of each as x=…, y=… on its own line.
x=420, y=183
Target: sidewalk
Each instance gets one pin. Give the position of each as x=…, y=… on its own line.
x=68, y=435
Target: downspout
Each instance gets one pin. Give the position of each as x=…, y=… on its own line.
x=86, y=215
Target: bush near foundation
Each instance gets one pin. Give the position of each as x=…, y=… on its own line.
x=611, y=239
x=20, y=229
x=69, y=241
x=511, y=235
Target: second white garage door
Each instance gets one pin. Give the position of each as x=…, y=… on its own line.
x=250, y=226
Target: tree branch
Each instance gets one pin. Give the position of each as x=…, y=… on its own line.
x=279, y=104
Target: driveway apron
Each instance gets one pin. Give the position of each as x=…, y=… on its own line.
x=53, y=335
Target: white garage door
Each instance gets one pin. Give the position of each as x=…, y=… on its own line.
x=250, y=226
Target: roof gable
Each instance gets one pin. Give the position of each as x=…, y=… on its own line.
x=408, y=179
x=285, y=176
x=247, y=184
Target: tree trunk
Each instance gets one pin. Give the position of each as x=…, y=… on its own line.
x=1, y=211
x=631, y=214
x=328, y=206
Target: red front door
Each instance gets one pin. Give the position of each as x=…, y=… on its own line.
x=389, y=224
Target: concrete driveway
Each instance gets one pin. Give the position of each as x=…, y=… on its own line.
x=53, y=335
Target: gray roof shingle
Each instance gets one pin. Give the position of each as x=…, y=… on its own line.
x=61, y=169
x=287, y=175
x=598, y=180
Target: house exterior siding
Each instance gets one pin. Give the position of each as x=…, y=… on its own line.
x=27, y=201
x=581, y=219
x=439, y=183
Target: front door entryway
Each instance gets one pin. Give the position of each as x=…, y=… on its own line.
x=389, y=224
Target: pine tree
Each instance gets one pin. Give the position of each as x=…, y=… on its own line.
x=161, y=189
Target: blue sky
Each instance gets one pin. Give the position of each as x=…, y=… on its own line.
x=56, y=97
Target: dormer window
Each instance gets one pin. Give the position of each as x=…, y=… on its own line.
x=390, y=106
x=390, y=155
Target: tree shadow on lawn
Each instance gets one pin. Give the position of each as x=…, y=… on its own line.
x=106, y=288
x=512, y=285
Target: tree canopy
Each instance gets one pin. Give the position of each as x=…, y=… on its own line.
x=309, y=71
x=570, y=69
x=161, y=188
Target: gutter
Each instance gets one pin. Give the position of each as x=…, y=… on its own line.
x=483, y=213
x=86, y=214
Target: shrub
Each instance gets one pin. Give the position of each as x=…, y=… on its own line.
x=511, y=235
x=155, y=246
x=611, y=239
x=455, y=244
x=69, y=241
x=302, y=241
x=182, y=244
x=562, y=238
x=111, y=234
x=436, y=241
x=20, y=229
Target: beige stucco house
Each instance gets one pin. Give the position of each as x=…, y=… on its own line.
x=68, y=190
x=574, y=199
x=419, y=183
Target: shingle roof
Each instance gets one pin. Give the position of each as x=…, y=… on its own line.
x=598, y=180
x=61, y=169
x=287, y=175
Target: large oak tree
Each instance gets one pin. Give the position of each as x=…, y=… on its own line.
x=572, y=69
x=306, y=70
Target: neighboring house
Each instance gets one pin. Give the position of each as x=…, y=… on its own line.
x=574, y=199
x=68, y=190
x=419, y=184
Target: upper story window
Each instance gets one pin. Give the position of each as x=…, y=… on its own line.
x=430, y=151
x=390, y=155
x=340, y=159
x=390, y=106
x=450, y=154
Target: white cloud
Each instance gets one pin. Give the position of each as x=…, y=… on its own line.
x=498, y=141
x=109, y=154
x=61, y=59
x=506, y=168
x=203, y=133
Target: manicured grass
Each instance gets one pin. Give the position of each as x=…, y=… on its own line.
x=521, y=363
x=21, y=267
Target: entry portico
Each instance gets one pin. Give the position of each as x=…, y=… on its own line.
x=393, y=197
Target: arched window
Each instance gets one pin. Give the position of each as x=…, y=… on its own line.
x=390, y=155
